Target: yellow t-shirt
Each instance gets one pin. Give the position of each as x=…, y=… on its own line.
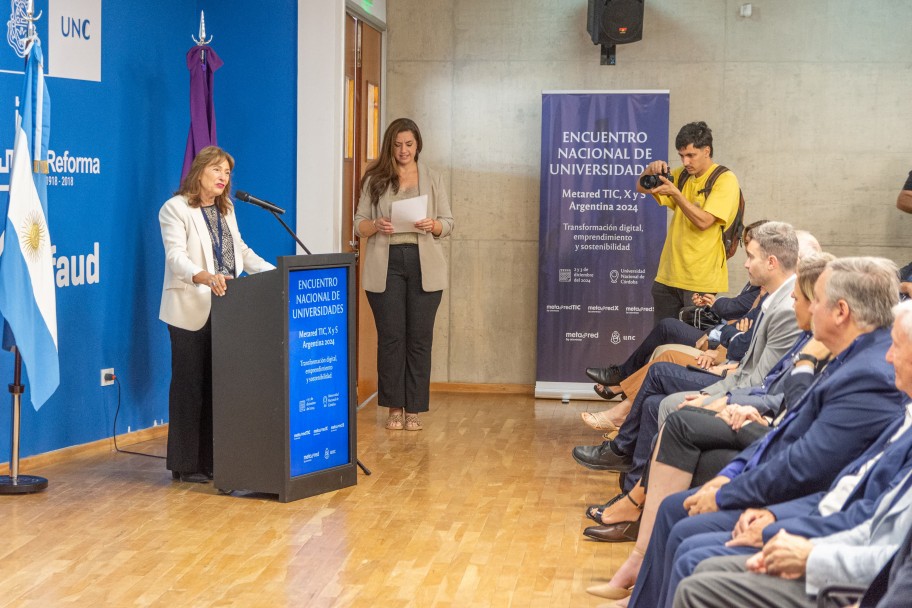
x=694, y=259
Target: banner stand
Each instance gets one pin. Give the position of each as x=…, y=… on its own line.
x=599, y=238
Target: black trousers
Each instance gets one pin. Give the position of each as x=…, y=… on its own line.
x=668, y=301
x=404, y=315
x=190, y=400
x=693, y=434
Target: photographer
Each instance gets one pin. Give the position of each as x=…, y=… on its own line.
x=693, y=258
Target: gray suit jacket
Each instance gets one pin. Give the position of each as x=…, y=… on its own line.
x=776, y=332
x=434, y=275
x=856, y=555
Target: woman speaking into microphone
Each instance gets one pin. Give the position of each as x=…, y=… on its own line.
x=404, y=272
x=203, y=252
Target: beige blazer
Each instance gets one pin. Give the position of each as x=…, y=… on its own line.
x=434, y=275
x=188, y=251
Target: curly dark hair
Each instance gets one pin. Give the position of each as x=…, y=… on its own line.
x=697, y=133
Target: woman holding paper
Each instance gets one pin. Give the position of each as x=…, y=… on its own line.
x=405, y=271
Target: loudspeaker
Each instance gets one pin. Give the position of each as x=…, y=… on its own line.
x=615, y=21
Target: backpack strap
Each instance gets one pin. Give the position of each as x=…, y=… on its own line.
x=712, y=180
x=682, y=179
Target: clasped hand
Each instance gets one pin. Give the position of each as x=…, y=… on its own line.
x=748, y=532
x=704, y=501
x=736, y=416
x=785, y=556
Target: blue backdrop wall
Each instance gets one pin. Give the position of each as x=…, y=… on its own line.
x=129, y=130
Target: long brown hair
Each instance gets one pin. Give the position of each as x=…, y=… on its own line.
x=383, y=173
x=190, y=185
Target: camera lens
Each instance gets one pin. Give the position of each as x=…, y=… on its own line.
x=650, y=181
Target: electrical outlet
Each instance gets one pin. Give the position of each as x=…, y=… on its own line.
x=109, y=370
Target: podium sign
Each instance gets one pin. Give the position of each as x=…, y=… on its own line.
x=317, y=369
x=283, y=379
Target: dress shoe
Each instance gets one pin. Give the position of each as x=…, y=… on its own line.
x=606, y=376
x=609, y=591
x=607, y=395
x=622, y=532
x=194, y=478
x=594, y=512
x=602, y=458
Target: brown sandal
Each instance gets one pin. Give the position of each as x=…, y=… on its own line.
x=394, y=422
x=600, y=421
x=412, y=423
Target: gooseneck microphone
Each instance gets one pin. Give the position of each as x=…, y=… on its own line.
x=247, y=198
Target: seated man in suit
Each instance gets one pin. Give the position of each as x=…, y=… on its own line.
x=772, y=256
x=852, y=498
x=791, y=569
x=675, y=331
x=695, y=444
x=846, y=546
x=823, y=432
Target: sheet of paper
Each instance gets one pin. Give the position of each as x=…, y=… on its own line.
x=408, y=211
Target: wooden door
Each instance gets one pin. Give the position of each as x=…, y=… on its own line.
x=361, y=147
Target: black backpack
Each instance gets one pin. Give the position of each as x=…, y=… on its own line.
x=731, y=237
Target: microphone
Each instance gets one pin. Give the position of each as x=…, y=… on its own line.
x=247, y=198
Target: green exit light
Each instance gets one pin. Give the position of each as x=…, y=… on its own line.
x=367, y=5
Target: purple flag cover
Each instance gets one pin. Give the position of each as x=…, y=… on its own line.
x=202, y=63
x=599, y=240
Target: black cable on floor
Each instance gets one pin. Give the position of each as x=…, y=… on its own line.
x=114, y=430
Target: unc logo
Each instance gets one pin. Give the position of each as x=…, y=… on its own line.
x=17, y=27
x=614, y=276
x=615, y=337
x=326, y=454
x=74, y=28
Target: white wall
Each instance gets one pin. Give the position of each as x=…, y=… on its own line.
x=321, y=64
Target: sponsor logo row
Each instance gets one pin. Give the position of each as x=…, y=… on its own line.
x=598, y=308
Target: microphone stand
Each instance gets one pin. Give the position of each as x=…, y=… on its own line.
x=293, y=235
x=307, y=251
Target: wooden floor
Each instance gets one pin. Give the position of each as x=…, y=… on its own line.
x=482, y=508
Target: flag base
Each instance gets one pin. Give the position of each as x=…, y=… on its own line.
x=23, y=484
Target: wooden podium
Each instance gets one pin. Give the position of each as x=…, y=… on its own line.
x=283, y=379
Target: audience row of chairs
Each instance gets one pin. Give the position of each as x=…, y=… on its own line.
x=768, y=458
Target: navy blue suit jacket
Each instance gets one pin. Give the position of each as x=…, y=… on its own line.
x=846, y=409
x=736, y=307
x=802, y=517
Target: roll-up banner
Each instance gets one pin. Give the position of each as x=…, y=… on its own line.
x=599, y=240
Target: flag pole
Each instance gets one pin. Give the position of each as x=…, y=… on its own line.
x=14, y=483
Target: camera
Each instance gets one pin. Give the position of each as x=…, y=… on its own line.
x=652, y=181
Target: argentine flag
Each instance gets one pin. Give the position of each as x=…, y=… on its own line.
x=28, y=301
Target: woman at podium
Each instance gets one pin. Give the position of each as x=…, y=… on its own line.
x=203, y=251
x=405, y=271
